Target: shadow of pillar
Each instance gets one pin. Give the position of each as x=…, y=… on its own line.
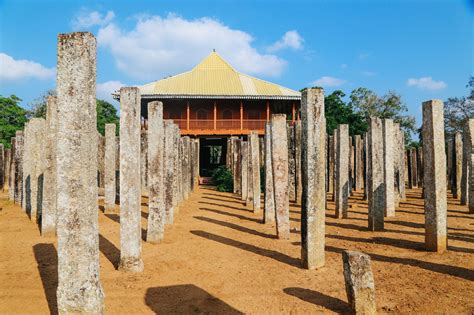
x=326, y=301
x=47, y=259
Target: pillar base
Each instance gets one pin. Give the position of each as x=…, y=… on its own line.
x=131, y=264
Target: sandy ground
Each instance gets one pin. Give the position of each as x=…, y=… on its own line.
x=219, y=258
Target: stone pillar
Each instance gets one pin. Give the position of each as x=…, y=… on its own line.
x=237, y=167
x=291, y=162
x=456, y=177
x=330, y=169
x=342, y=171
x=79, y=289
x=117, y=168
x=244, y=158
x=358, y=161
x=130, y=180
x=412, y=170
x=109, y=169
x=313, y=208
x=334, y=157
x=388, y=169
x=11, y=181
x=7, y=169
x=280, y=174
x=298, y=148
x=465, y=168
x=419, y=166
x=19, y=147
x=2, y=167
x=144, y=161
x=100, y=162
x=255, y=170
x=49, y=211
x=186, y=166
x=169, y=170
x=269, y=203
x=156, y=203
x=176, y=167
x=375, y=175
x=351, y=165
x=469, y=143
x=234, y=158
x=359, y=280
x=366, y=165
x=434, y=176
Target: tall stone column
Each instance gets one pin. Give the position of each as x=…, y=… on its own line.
x=366, y=165
x=7, y=169
x=359, y=165
x=412, y=168
x=351, y=165
x=180, y=169
x=169, y=171
x=11, y=181
x=280, y=174
x=291, y=162
x=334, y=157
x=186, y=166
x=156, y=203
x=403, y=168
x=465, y=168
x=330, y=169
x=342, y=171
x=469, y=143
x=375, y=175
x=313, y=208
x=249, y=200
x=49, y=211
x=419, y=166
x=176, y=166
x=79, y=289
x=434, y=176
x=130, y=181
x=234, y=159
x=457, y=166
x=109, y=169
x=19, y=146
x=255, y=169
x=269, y=203
x=298, y=148
x=388, y=169
x=237, y=167
x=101, y=162
x=144, y=161
x=2, y=166
x=244, y=157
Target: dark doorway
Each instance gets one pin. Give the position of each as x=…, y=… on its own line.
x=212, y=154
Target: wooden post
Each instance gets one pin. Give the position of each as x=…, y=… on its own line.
x=215, y=115
x=187, y=115
x=268, y=110
x=241, y=115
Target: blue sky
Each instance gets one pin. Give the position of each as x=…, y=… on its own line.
x=421, y=49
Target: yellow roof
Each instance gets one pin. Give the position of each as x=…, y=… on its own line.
x=215, y=78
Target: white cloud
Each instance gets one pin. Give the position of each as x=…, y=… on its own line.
x=343, y=66
x=426, y=83
x=291, y=39
x=105, y=90
x=14, y=69
x=326, y=81
x=161, y=46
x=86, y=19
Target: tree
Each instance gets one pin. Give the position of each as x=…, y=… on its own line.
x=39, y=105
x=12, y=118
x=457, y=110
x=388, y=106
x=106, y=114
x=339, y=112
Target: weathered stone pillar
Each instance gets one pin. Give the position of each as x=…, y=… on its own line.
x=144, y=161
x=375, y=176
x=100, y=162
x=330, y=169
x=79, y=289
x=434, y=176
x=244, y=157
x=130, y=180
x=255, y=169
x=186, y=166
x=291, y=162
x=351, y=165
x=298, y=148
x=313, y=208
x=334, y=157
x=412, y=170
x=456, y=177
x=7, y=169
x=19, y=147
x=419, y=166
x=156, y=207
x=2, y=167
x=280, y=174
x=359, y=280
x=358, y=163
x=176, y=167
x=342, y=171
x=234, y=158
x=388, y=169
x=237, y=167
x=469, y=143
x=269, y=203
x=366, y=165
x=49, y=211
x=465, y=168
x=109, y=169
x=11, y=181
x=169, y=173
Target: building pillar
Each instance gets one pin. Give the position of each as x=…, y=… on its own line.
x=244, y=158
x=130, y=180
x=255, y=170
x=79, y=289
x=11, y=181
x=156, y=199
x=388, y=168
x=413, y=172
x=2, y=167
x=342, y=171
x=366, y=165
x=298, y=171
x=291, y=162
x=280, y=174
x=419, y=166
x=6, y=168
x=169, y=171
x=109, y=169
x=375, y=176
x=469, y=143
x=144, y=161
x=176, y=169
x=434, y=176
x=237, y=167
x=313, y=208
x=215, y=115
x=333, y=157
x=269, y=202
x=19, y=148
x=100, y=162
x=188, y=113
x=49, y=211
x=456, y=177
x=241, y=115
x=359, y=165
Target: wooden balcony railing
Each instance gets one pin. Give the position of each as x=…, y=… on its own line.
x=220, y=125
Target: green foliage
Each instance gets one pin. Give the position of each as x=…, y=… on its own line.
x=12, y=118
x=222, y=178
x=339, y=112
x=457, y=110
x=40, y=105
x=106, y=114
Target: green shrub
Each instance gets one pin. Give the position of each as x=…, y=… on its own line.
x=222, y=178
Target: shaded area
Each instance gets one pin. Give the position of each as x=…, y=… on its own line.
x=185, y=299
x=250, y=248
x=109, y=250
x=235, y=227
x=231, y=215
x=47, y=259
x=318, y=298
x=220, y=205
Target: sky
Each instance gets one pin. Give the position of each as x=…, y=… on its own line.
x=420, y=49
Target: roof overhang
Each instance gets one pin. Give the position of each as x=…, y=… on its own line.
x=229, y=97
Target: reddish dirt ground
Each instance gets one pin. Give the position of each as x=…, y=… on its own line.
x=219, y=258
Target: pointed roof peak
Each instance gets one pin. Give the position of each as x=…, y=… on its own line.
x=213, y=62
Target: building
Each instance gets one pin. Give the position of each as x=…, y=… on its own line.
x=214, y=101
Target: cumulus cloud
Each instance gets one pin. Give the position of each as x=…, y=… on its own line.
x=426, y=83
x=291, y=39
x=105, y=90
x=17, y=69
x=326, y=81
x=86, y=19
x=160, y=46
